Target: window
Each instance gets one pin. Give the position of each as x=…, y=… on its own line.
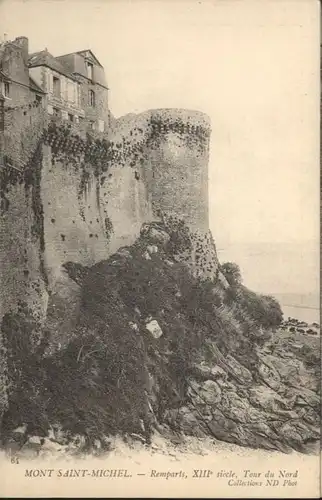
x=91, y=98
x=6, y=89
x=55, y=111
x=92, y=125
x=89, y=68
x=38, y=99
x=70, y=117
x=56, y=87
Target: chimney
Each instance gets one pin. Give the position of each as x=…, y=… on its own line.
x=23, y=42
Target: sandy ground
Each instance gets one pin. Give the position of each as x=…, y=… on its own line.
x=224, y=468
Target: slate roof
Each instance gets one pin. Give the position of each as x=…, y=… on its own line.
x=44, y=58
x=83, y=53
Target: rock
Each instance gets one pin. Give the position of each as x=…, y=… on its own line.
x=20, y=430
x=240, y=372
x=133, y=326
x=309, y=415
x=239, y=409
x=291, y=371
x=207, y=392
x=32, y=447
x=36, y=440
x=205, y=372
x=124, y=252
x=155, y=234
x=137, y=310
x=152, y=248
x=267, y=399
x=255, y=435
x=187, y=420
x=77, y=441
x=226, y=429
x=303, y=397
x=49, y=447
x=268, y=373
x=58, y=435
x=261, y=428
x=296, y=434
x=97, y=445
x=227, y=386
x=154, y=328
x=230, y=364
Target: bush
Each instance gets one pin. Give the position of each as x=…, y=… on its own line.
x=25, y=344
x=232, y=273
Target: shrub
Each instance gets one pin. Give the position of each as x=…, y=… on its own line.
x=232, y=273
x=25, y=344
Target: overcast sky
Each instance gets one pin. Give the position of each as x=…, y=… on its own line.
x=253, y=66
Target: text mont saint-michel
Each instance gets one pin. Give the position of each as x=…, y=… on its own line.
x=116, y=473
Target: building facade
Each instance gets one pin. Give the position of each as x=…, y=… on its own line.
x=61, y=87
x=16, y=84
x=90, y=74
x=72, y=87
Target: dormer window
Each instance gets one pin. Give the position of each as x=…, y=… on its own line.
x=90, y=70
x=91, y=98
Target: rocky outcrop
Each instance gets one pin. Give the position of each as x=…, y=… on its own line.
x=153, y=346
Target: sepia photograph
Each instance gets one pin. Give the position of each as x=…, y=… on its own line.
x=159, y=248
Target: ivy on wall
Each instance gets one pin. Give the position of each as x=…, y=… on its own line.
x=9, y=176
x=32, y=183
x=30, y=178
x=108, y=227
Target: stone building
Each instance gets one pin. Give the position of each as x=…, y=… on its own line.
x=16, y=83
x=61, y=87
x=72, y=86
x=90, y=74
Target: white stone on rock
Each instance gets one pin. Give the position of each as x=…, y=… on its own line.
x=154, y=328
x=147, y=256
x=20, y=430
x=152, y=248
x=34, y=440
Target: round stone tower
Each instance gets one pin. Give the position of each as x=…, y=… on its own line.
x=176, y=166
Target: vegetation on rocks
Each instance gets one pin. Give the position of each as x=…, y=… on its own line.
x=156, y=348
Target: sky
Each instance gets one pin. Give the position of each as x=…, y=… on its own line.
x=253, y=67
